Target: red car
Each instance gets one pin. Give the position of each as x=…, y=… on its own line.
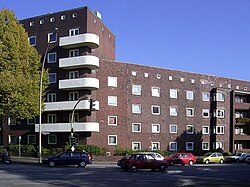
x=181, y=158
x=142, y=160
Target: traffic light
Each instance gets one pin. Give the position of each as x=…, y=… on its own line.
x=73, y=140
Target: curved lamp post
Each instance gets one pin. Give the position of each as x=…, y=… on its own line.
x=40, y=97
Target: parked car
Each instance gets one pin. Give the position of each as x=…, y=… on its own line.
x=142, y=160
x=247, y=160
x=80, y=158
x=211, y=157
x=181, y=158
x=238, y=157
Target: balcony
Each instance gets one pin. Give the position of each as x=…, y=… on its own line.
x=88, y=39
x=87, y=61
x=79, y=83
x=69, y=105
x=66, y=127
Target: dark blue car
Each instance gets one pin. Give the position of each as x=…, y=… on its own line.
x=80, y=158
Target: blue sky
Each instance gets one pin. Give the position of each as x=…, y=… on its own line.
x=202, y=36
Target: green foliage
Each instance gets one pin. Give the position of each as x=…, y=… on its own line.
x=20, y=70
x=92, y=149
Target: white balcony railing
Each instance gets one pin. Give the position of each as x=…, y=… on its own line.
x=69, y=105
x=66, y=127
x=79, y=83
x=88, y=39
x=87, y=61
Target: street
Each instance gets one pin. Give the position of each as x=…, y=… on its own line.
x=112, y=175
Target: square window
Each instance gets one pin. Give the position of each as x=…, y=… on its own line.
x=155, y=128
x=237, y=87
x=73, y=32
x=51, y=118
x=155, y=110
x=73, y=96
x=63, y=17
x=219, y=97
x=205, y=96
x=192, y=81
x=31, y=139
x=182, y=79
x=51, y=97
x=155, y=92
x=73, y=74
x=136, y=127
x=205, y=145
x=112, y=81
x=170, y=78
x=190, y=95
x=173, y=111
x=219, y=113
x=52, y=37
x=112, y=100
x=52, y=57
x=136, y=89
x=13, y=139
x=134, y=73
x=136, y=146
x=218, y=145
x=155, y=146
x=205, y=113
x=205, y=129
x=31, y=121
x=52, y=78
x=190, y=129
x=112, y=139
x=74, y=53
x=219, y=130
x=136, y=108
x=190, y=112
x=52, y=139
x=189, y=146
x=145, y=74
x=172, y=146
x=173, y=128
x=112, y=120
x=173, y=93
x=32, y=40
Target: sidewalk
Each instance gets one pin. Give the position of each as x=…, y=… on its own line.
x=34, y=161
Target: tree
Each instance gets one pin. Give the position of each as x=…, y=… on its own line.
x=20, y=66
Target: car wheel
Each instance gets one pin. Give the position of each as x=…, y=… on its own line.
x=52, y=163
x=171, y=163
x=162, y=168
x=207, y=161
x=82, y=164
x=191, y=162
x=133, y=168
x=221, y=161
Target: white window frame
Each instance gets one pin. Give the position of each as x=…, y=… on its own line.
x=51, y=97
x=136, y=124
x=109, y=120
x=136, y=89
x=109, y=138
x=173, y=111
x=174, y=126
x=173, y=93
x=112, y=100
x=191, y=127
x=170, y=146
x=50, y=37
x=205, y=145
x=205, y=129
x=73, y=96
x=137, y=144
x=158, y=146
x=155, y=91
x=54, y=55
x=152, y=110
x=30, y=39
x=52, y=77
x=205, y=111
x=51, y=118
x=190, y=95
x=220, y=129
x=73, y=74
x=74, y=53
x=55, y=137
x=31, y=136
x=219, y=97
x=155, y=128
x=218, y=145
x=73, y=32
x=189, y=146
x=112, y=81
x=188, y=110
x=136, y=108
x=219, y=113
x=205, y=96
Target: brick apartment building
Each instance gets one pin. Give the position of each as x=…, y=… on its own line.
x=134, y=106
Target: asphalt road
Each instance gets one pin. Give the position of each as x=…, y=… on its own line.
x=111, y=175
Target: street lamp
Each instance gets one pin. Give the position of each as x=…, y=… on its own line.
x=40, y=96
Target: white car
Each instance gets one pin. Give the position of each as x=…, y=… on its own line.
x=247, y=160
x=238, y=157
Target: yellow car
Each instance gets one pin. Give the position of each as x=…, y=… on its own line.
x=210, y=157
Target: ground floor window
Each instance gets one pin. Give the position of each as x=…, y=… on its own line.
x=52, y=139
x=31, y=139
x=205, y=145
x=172, y=146
x=112, y=139
x=136, y=145
x=155, y=146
